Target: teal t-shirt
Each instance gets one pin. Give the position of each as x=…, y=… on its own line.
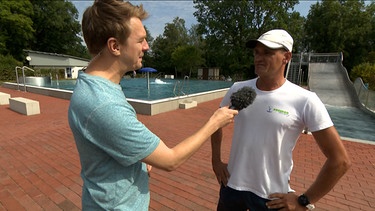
x=111, y=142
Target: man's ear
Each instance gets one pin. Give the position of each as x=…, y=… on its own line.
x=288, y=57
x=113, y=46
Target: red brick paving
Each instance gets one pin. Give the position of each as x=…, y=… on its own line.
x=39, y=163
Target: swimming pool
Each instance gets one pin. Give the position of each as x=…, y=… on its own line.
x=136, y=88
x=163, y=96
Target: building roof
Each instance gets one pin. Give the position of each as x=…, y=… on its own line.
x=45, y=59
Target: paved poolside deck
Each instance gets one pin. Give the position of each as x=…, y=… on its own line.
x=39, y=163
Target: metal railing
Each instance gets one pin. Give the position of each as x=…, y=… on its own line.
x=294, y=72
x=366, y=96
x=23, y=76
x=179, y=88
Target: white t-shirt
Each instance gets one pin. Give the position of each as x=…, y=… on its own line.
x=265, y=134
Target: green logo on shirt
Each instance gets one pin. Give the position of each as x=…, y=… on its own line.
x=277, y=110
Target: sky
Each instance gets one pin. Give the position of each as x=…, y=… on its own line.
x=163, y=12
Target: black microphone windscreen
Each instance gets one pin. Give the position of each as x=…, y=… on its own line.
x=242, y=98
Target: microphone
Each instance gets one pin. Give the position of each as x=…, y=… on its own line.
x=242, y=98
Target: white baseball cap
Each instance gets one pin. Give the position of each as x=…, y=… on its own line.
x=274, y=39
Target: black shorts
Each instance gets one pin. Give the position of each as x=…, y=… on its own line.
x=234, y=200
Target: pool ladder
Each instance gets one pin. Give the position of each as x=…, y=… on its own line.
x=179, y=87
x=23, y=75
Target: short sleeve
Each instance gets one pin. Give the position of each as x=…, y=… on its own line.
x=316, y=114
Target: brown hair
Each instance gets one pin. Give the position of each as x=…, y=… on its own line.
x=108, y=18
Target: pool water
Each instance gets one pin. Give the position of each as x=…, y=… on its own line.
x=137, y=88
x=166, y=88
x=353, y=122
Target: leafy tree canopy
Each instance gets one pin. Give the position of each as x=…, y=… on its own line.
x=48, y=26
x=227, y=25
x=175, y=35
x=56, y=27
x=16, y=31
x=341, y=26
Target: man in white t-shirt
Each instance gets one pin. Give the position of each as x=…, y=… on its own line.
x=265, y=134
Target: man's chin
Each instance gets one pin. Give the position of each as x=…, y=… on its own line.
x=137, y=66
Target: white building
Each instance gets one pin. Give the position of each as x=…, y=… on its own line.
x=70, y=64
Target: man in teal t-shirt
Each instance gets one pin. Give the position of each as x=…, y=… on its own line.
x=114, y=147
x=110, y=146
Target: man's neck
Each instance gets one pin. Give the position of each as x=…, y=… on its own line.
x=103, y=68
x=267, y=84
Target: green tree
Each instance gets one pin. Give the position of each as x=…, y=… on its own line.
x=359, y=28
x=370, y=9
x=197, y=41
x=16, y=27
x=227, y=25
x=341, y=26
x=296, y=27
x=148, y=60
x=195, y=38
x=187, y=59
x=57, y=29
x=175, y=34
x=366, y=71
x=7, y=68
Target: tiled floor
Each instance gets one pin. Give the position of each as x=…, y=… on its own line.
x=39, y=164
